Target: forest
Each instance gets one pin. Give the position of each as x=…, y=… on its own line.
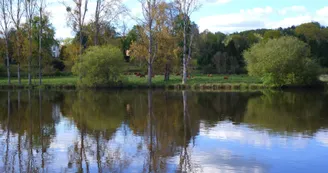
x=165, y=41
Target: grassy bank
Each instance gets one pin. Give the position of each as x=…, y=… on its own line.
x=197, y=82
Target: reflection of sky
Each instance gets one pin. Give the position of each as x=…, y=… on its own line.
x=239, y=147
x=222, y=148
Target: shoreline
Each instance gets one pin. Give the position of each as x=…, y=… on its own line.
x=196, y=87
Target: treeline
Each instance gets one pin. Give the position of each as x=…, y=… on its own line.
x=27, y=37
x=164, y=41
x=220, y=53
x=20, y=41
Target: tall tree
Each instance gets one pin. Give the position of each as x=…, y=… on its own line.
x=41, y=6
x=147, y=33
x=30, y=7
x=76, y=18
x=5, y=25
x=16, y=12
x=186, y=8
x=107, y=11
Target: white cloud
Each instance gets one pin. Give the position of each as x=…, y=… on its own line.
x=323, y=12
x=295, y=9
x=257, y=18
x=287, y=22
x=245, y=19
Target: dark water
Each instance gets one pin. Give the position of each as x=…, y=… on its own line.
x=156, y=131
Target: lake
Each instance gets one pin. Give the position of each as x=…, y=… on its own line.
x=163, y=131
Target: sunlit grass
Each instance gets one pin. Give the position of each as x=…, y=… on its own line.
x=70, y=80
x=196, y=79
x=235, y=82
x=157, y=80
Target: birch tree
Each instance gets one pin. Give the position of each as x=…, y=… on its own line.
x=16, y=12
x=30, y=7
x=76, y=18
x=186, y=8
x=41, y=8
x=5, y=25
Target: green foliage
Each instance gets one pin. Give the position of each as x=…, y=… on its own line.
x=100, y=66
x=271, y=34
x=58, y=64
x=283, y=61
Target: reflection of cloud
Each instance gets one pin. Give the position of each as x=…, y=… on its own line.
x=322, y=137
x=222, y=160
x=228, y=131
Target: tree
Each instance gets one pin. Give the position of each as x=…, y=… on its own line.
x=69, y=53
x=220, y=60
x=107, y=11
x=100, y=66
x=209, y=44
x=16, y=12
x=186, y=8
x=5, y=25
x=271, y=34
x=76, y=19
x=41, y=5
x=167, y=39
x=310, y=31
x=30, y=6
x=283, y=61
x=127, y=40
x=147, y=46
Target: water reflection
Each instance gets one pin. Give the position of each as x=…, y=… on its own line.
x=157, y=131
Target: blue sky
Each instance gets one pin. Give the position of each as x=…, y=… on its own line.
x=226, y=16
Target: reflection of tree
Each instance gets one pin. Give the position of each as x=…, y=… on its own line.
x=28, y=128
x=186, y=164
x=97, y=115
x=163, y=125
x=288, y=111
x=222, y=106
x=165, y=130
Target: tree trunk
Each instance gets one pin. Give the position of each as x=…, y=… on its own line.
x=150, y=73
x=7, y=57
x=184, y=70
x=167, y=73
x=40, y=47
x=30, y=53
x=97, y=22
x=97, y=34
x=18, y=74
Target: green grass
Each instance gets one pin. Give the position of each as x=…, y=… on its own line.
x=234, y=82
x=196, y=79
x=70, y=80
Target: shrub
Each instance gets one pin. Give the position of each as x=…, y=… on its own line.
x=282, y=61
x=58, y=65
x=100, y=66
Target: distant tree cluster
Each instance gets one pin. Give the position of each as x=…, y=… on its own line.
x=221, y=53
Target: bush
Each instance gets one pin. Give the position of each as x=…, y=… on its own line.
x=282, y=61
x=100, y=66
x=58, y=65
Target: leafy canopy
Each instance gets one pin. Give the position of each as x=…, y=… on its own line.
x=100, y=66
x=282, y=61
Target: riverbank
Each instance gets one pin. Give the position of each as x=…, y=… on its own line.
x=196, y=82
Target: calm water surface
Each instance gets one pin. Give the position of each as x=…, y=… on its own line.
x=157, y=131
